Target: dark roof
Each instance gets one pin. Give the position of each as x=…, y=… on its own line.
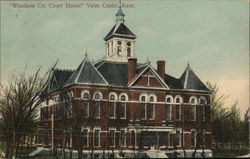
x=59, y=78
x=86, y=73
x=120, y=31
x=189, y=80
x=115, y=73
x=172, y=82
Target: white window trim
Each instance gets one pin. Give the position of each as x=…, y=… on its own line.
x=176, y=97
x=125, y=109
x=171, y=99
x=88, y=108
x=115, y=94
x=125, y=94
x=195, y=107
x=88, y=128
x=203, y=107
x=114, y=136
x=179, y=112
x=155, y=100
x=125, y=131
x=70, y=139
x=195, y=137
x=195, y=100
x=99, y=140
x=202, y=98
x=83, y=92
x=114, y=109
x=180, y=130
x=145, y=107
x=100, y=94
x=146, y=97
x=153, y=118
x=170, y=115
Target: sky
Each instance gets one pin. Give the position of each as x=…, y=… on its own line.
x=213, y=35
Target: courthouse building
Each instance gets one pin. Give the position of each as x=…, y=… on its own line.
x=117, y=103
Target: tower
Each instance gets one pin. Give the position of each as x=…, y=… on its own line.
x=120, y=41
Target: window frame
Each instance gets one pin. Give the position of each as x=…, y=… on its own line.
x=112, y=129
x=124, y=103
x=120, y=138
x=99, y=137
x=113, y=101
x=193, y=138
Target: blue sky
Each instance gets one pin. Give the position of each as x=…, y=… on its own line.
x=213, y=35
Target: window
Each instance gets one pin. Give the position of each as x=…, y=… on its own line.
x=123, y=107
x=203, y=113
x=193, y=138
x=178, y=137
x=169, y=101
x=151, y=108
x=178, y=112
x=96, y=110
x=203, y=109
x=123, y=138
x=119, y=47
x=85, y=97
x=129, y=51
x=193, y=112
x=193, y=100
x=169, y=112
x=203, y=131
x=85, y=137
x=96, y=137
x=178, y=99
x=143, y=107
x=112, y=106
x=112, y=137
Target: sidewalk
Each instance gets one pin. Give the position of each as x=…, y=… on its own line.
x=244, y=156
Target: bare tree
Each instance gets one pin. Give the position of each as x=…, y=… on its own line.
x=19, y=103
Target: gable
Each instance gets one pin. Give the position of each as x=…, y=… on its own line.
x=148, y=79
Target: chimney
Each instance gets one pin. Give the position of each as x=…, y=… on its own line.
x=132, y=65
x=161, y=68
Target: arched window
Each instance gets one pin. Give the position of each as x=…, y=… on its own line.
x=178, y=100
x=71, y=94
x=123, y=105
x=112, y=104
x=143, y=107
x=151, y=107
x=193, y=101
x=85, y=98
x=203, y=103
x=97, y=109
x=169, y=101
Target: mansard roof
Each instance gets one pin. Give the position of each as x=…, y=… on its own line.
x=189, y=80
x=86, y=73
x=120, y=30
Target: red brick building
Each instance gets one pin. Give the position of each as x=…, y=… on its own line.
x=117, y=103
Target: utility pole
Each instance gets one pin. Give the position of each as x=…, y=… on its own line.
x=52, y=131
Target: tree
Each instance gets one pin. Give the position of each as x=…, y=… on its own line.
x=19, y=103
